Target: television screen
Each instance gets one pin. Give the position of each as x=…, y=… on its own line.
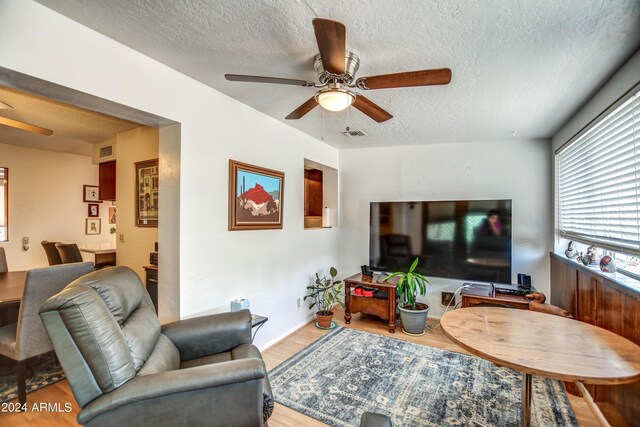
x=467, y=239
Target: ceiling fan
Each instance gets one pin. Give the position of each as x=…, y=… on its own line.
x=337, y=67
x=21, y=125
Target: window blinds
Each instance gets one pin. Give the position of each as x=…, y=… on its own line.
x=598, y=179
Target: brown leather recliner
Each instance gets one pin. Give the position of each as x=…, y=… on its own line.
x=127, y=370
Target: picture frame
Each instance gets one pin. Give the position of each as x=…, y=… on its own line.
x=93, y=210
x=146, y=193
x=91, y=193
x=92, y=226
x=256, y=197
x=112, y=214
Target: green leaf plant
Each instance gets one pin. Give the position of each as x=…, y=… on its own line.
x=410, y=284
x=325, y=293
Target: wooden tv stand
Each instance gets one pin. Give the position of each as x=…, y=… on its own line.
x=381, y=307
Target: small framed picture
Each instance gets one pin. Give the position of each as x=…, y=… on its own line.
x=94, y=210
x=147, y=193
x=92, y=226
x=112, y=214
x=91, y=194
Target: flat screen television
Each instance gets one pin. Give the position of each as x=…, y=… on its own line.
x=464, y=239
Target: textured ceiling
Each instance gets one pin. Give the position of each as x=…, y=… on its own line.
x=517, y=66
x=74, y=129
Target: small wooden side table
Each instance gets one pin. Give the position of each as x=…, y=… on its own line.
x=384, y=308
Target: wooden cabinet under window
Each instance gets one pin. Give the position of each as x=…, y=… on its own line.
x=107, y=181
x=592, y=297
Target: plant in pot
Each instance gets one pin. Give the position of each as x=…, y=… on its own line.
x=325, y=294
x=412, y=313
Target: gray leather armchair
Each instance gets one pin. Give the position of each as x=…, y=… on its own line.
x=127, y=370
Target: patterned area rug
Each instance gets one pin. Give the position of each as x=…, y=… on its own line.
x=45, y=372
x=347, y=372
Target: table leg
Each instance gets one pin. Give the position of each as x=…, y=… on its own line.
x=347, y=304
x=525, y=415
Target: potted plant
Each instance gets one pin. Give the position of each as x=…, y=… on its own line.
x=325, y=294
x=412, y=313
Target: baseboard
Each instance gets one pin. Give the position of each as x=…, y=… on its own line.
x=283, y=336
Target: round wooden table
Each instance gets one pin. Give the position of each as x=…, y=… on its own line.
x=543, y=344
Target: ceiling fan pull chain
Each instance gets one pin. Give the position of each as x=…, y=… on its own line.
x=322, y=137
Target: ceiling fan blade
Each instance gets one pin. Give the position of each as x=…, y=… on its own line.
x=410, y=78
x=25, y=126
x=331, y=37
x=371, y=109
x=261, y=79
x=303, y=109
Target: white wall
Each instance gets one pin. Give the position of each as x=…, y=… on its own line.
x=45, y=203
x=517, y=170
x=135, y=145
x=271, y=267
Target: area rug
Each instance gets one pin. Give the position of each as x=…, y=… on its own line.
x=347, y=372
x=45, y=372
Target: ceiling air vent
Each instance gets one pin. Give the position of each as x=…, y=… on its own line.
x=353, y=133
x=106, y=151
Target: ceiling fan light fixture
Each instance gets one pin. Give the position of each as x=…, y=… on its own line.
x=335, y=99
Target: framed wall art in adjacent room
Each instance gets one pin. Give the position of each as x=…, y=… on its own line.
x=93, y=210
x=91, y=194
x=255, y=197
x=92, y=226
x=146, y=193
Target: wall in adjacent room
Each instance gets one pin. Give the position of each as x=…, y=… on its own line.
x=269, y=267
x=45, y=203
x=517, y=170
x=133, y=146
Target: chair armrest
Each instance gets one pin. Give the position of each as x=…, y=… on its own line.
x=166, y=384
x=206, y=335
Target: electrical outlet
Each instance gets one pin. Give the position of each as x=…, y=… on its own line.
x=298, y=304
x=446, y=298
x=121, y=237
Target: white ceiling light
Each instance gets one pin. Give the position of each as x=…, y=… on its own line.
x=335, y=99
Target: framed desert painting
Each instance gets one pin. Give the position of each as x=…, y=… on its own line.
x=146, y=193
x=255, y=197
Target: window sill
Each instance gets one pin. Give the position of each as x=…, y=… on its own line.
x=619, y=279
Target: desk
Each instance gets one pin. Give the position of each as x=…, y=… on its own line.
x=381, y=307
x=543, y=344
x=152, y=283
x=484, y=296
x=11, y=288
x=103, y=257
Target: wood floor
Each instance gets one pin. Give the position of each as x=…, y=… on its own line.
x=282, y=416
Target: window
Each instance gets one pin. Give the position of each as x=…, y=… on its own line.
x=4, y=204
x=598, y=179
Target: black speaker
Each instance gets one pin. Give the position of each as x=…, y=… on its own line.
x=526, y=281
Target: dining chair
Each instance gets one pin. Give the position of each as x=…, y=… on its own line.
x=3, y=261
x=27, y=338
x=69, y=252
x=53, y=256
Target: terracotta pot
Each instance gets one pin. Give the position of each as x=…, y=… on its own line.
x=324, y=321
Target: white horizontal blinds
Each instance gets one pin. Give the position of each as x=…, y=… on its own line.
x=598, y=178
